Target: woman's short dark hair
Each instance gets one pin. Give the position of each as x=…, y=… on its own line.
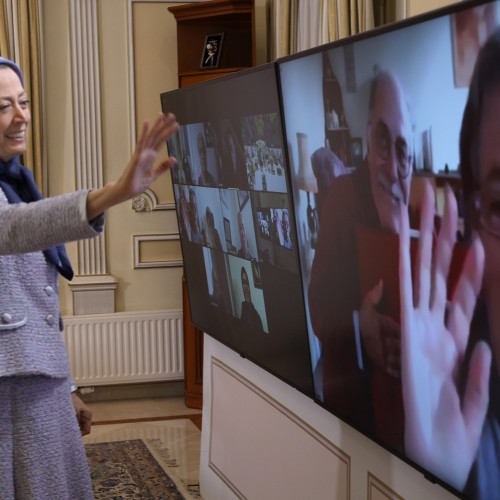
x=485, y=78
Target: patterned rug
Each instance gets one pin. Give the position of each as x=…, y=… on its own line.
x=128, y=470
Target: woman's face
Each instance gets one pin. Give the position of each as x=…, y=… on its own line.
x=14, y=115
x=489, y=160
x=246, y=287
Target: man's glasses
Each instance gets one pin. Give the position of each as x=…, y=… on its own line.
x=486, y=206
x=383, y=145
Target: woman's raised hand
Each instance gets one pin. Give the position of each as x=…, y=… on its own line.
x=444, y=407
x=141, y=171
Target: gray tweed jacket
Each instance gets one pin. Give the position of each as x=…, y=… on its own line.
x=30, y=340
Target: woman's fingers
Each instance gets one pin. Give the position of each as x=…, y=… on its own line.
x=409, y=331
x=444, y=250
x=464, y=299
x=422, y=288
x=163, y=128
x=405, y=280
x=476, y=395
x=154, y=136
x=141, y=143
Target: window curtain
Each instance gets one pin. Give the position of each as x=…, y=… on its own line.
x=301, y=24
x=20, y=41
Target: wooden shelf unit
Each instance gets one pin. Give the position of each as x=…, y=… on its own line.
x=234, y=18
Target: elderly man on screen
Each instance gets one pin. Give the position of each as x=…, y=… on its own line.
x=360, y=345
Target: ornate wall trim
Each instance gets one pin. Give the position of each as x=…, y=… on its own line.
x=148, y=201
x=141, y=243
x=87, y=121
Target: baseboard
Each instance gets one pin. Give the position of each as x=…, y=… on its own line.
x=132, y=391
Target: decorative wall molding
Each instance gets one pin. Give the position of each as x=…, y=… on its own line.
x=87, y=121
x=93, y=294
x=377, y=489
x=141, y=240
x=302, y=452
x=148, y=201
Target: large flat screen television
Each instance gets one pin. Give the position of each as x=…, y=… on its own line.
x=235, y=215
x=339, y=213
x=390, y=156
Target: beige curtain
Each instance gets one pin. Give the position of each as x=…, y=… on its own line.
x=349, y=17
x=283, y=28
x=302, y=24
x=20, y=41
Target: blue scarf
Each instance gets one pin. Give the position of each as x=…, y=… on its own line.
x=18, y=184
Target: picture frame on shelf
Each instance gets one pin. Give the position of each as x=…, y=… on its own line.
x=470, y=28
x=211, y=51
x=357, y=151
x=257, y=278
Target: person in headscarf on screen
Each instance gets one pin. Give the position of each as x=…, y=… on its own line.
x=249, y=315
x=41, y=450
x=205, y=178
x=244, y=251
x=450, y=351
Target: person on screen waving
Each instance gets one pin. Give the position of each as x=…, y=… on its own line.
x=357, y=340
x=451, y=387
x=42, y=453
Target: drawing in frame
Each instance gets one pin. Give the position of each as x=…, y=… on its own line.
x=211, y=51
x=357, y=151
x=470, y=29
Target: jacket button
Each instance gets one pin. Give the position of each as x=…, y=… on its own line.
x=6, y=318
x=49, y=290
x=50, y=319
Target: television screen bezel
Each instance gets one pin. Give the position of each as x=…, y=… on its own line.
x=204, y=86
x=393, y=27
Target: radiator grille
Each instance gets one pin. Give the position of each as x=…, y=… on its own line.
x=125, y=347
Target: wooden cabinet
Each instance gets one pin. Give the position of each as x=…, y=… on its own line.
x=193, y=356
x=234, y=18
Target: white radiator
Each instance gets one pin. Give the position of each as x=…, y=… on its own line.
x=121, y=348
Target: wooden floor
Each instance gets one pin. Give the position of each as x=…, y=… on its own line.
x=196, y=419
x=142, y=410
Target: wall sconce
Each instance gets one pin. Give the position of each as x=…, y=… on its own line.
x=306, y=181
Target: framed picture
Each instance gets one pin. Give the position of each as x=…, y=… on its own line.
x=257, y=278
x=212, y=50
x=357, y=151
x=470, y=29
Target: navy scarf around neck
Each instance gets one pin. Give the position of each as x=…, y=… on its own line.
x=18, y=184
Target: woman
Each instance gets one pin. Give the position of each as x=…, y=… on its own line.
x=42, y=454
x=249, y=314
x=450, y=381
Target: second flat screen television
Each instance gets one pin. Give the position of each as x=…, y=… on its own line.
x=237, y=229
